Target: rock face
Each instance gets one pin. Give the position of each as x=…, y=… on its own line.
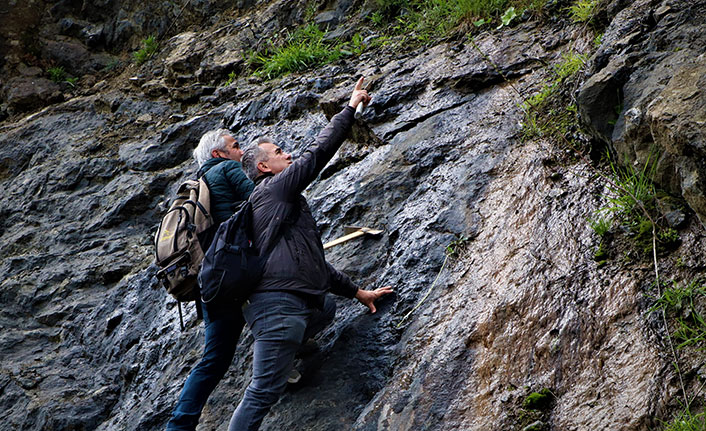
x=650, y=68
x=486, y=241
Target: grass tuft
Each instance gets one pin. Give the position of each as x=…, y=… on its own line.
x=302, y=49
x=583, y=10
x=57, y=74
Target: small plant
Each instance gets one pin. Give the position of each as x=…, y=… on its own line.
x=583, y=10
x=539, y=400
x=539, y=122
x=598, y=40
x=507, y=17
x=683, y=304
x=572, y=63
x=72, y=81
x=377, y=19
x=457, y=245
x=600, y=254
x=231, y=78
x=57, y=74
x=632, y=191
x=687, y=422
x=601, y=225
x=113, y=64
x=149, y=48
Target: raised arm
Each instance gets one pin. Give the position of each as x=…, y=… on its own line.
x=307, y=167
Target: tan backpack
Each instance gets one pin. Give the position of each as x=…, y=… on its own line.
x=182, y=238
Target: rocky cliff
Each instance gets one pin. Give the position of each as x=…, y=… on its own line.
x=487, y=240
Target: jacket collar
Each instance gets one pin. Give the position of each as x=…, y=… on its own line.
x=262, y=177
x=210, y=163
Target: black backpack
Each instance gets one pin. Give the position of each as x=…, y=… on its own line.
x=232, y=266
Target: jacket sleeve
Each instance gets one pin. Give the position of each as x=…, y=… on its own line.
x=239, y=181
x=293, y=180
x=340, y=283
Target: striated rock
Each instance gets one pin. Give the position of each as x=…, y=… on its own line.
x=649, y=70
x=677, y=121
x=486, y=241
x=186, y=55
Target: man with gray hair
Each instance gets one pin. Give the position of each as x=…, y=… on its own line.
x=218, y=155
x=290, y=305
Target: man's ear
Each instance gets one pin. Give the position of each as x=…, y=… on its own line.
x=215, y=154
x=262, y=167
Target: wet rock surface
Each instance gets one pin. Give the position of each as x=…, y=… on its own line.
x=90, y=341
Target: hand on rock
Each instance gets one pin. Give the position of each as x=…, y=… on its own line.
x=368, y=297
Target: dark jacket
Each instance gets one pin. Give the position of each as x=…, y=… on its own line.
x=284, y=226
x=228, y=186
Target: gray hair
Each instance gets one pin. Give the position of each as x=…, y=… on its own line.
x=254, y=155
x=210, y=141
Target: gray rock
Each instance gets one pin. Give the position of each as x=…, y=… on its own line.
x=29, y=93
x=653, y=77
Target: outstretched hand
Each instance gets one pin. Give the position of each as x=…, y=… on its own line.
x=359, y=95
x=368, y=297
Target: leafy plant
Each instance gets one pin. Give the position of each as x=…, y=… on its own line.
x=57, y=74
x=457, y=245
x=72, y=81
x=231, y=78
x=598, y=40
x=583, y=10
x=507, y=17
x=601, y=225
x=149, y=48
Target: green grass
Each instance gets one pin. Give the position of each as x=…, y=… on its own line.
x=300, y=50
x=633, y=189
x=544, y=115
x=583, y=10
x=633, y=203
x=683, y=304
x=149, y=48
x=687, y=422
x=231, y=78
x=427, y=20
x=600, y=224
x=57, y=74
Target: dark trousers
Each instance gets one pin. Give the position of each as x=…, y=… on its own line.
x=280, y=322
x=223, y=329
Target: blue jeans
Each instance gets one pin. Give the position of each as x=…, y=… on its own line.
x=280, y=322
x=222, y=334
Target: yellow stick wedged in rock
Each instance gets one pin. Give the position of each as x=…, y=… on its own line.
x=353, y=232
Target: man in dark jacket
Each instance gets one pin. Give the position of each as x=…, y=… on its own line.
x=289, y=305
x=218, y=155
